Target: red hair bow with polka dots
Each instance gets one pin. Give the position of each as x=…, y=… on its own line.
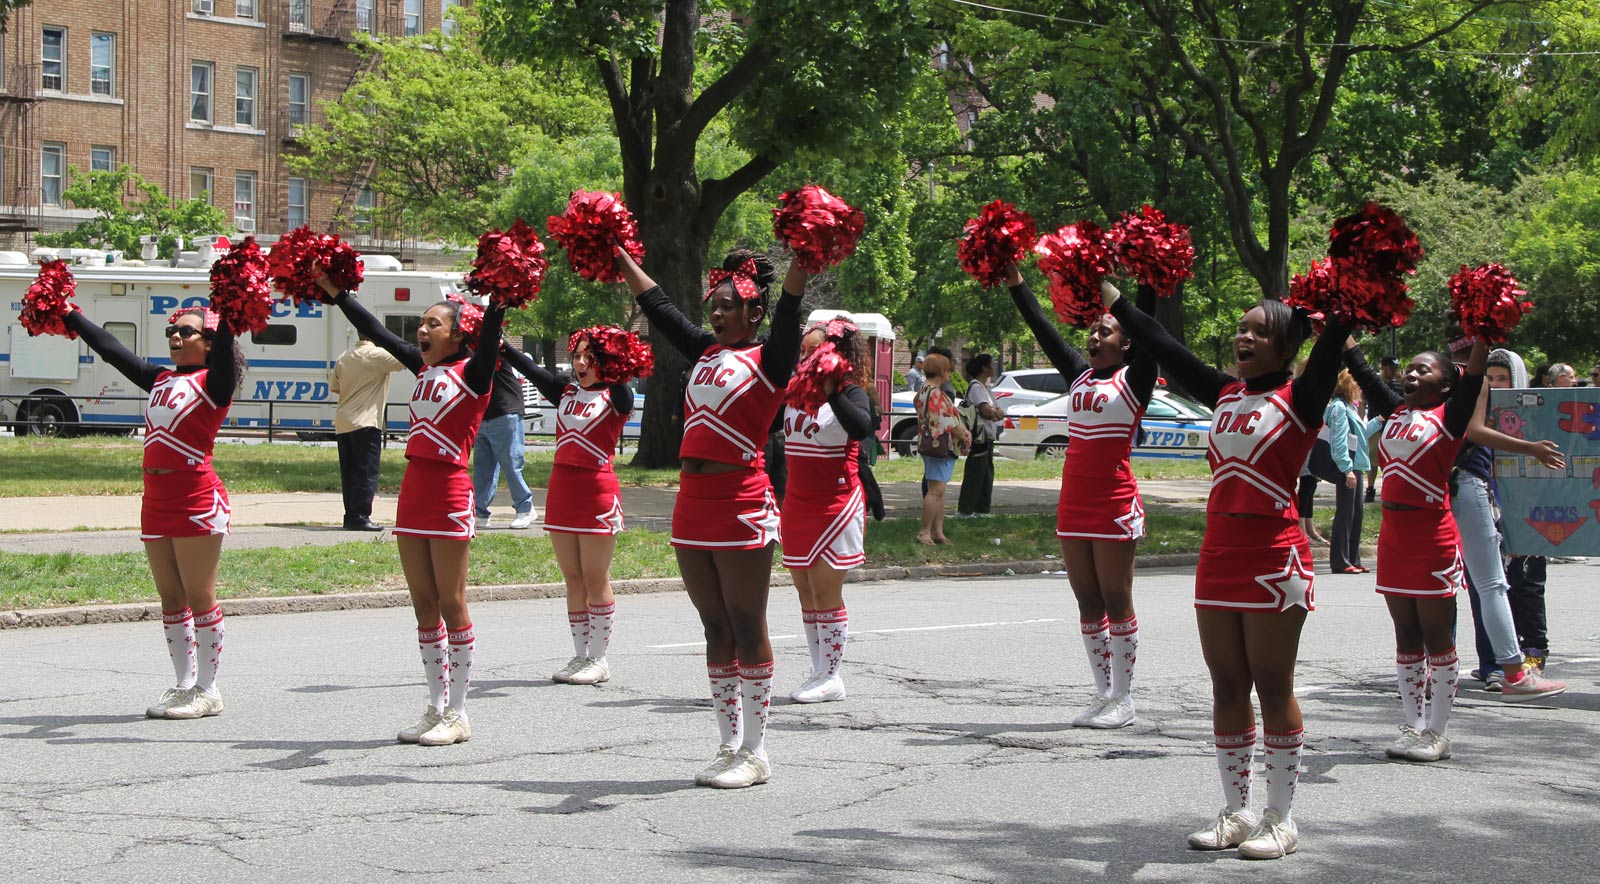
x=208, y=317
x=743, y=278
x=470, y=317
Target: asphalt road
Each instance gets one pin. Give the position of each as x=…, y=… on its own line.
x=951, y=760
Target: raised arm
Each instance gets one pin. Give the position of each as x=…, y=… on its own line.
x=479, y=373
x=1191, y=373
x=222, y=374
x=1314, y=387
x=621, y=399
x=141, y=372
x=685, y=336
x=1144, y=367
x=550, y=386
x=1066, y=359
x=1380, y=398
x=369, y=326
x=853, y=410
x=1464, y=397
x=781, y=351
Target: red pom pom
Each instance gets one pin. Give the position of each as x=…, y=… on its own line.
x=817, y=226
x=1001, y=234
x=241, y=288
x=48, y=301
x=294, y=259
x=1153, y=250
x=619, y=355
x=1377, y=239
x=1352, y=293
x=1076, y=259
x=590, y=230
x=1486, y=300
x=808, y=389
x=510, y=266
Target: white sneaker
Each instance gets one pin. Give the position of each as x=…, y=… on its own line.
x=593, y=672
x=1274, y=838
x=1429, y=747
x=827, y=689
x=196, y=704
x=564, y=674
x=747, y=769
x=1230, y=830
x=811, y=681
x=1117, y=712
x=524, y=520
x=724, y=759
x=480, y=522
x=173, y=696
x=1089, y=712
x=453, y=727
x=413, y=734
x=1403, y=743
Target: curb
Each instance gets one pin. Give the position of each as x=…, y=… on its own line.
x=304, y=604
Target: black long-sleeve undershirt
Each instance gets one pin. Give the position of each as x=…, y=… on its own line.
x=553, y=386
x=221, y=379
x=1458, y=408
x=852, y=408
x=779, y=353
x=1309, y=393
x=479, y=373
x=1069, y=362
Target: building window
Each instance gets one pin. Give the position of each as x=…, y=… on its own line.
x=200, y=183
x=364, y=15
x=200, y=91
x=245, y=9
x=244, y=97
x=299, y=99
x=244, y=201
x=53, y=173
x=445, y=24
x=300, y=15
x=297, y=203
x=102, y=63
x=53, y=63
x=102, y=159
x=364, y=204
x=413, y=17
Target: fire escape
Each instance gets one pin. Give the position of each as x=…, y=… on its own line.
x=20, y=208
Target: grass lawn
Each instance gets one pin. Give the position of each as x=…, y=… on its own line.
x=50, y=580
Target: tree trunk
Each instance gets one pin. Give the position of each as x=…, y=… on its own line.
x=675, y=258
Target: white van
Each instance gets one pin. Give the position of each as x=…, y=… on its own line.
x=51, y=385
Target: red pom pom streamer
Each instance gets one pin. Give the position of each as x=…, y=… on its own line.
x=510, y=266
x=1486, y=300
x=49, y=300
x=1359, y=283
x=241, y=288
x=295, y=257
x=1376, y=238
x=1153, y=250
x=808, y=390
x=1075, y=258
x=1001, y=234
x=619, y=355
x=590, y=230
x=817, y=226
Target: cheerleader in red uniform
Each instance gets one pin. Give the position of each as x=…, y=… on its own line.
x=454, y=359
x=1253, y=587
x=584, y=513
x=725, y=520
x=185, y=512
x=1419, y=551
x=1100, y=514
x=824, y=512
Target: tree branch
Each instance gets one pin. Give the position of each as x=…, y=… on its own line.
x=724, y=90
x=634, y=143
x=1442, y=31
x=716, y=194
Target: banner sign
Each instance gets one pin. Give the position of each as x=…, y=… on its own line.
x=1549, y=512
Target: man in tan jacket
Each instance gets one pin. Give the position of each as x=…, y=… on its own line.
x=361, y=380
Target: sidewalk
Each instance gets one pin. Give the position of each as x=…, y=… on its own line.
x=107, y=524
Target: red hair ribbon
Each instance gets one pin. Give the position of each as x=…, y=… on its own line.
x=210, y=319
x=743, y=278
x=470, y=318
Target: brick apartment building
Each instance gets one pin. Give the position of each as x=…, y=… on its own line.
x=198, y=96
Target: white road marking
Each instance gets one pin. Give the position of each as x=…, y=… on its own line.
x=887, y=631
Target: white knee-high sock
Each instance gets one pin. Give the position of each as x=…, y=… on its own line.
x=462, y=643
x=208, y=632
x=601, y=619
x=833, y=633
x=1446, y=678
x=179, y=629
x=578, y=623
x=1097, y=643
x=813, y=638
x=725, y=702
x=755, y=697
x=1280, y=764
x=1236, y=761
x=1124, y=641
x=1411, y=671
x=435, y=664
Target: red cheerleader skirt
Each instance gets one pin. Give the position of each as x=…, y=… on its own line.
x=435, y=500
x=1419, y=554
x=830, y=529
x=183, y=503
x=583, y=501
x=1100, y=509
x=1254, y=565
x=724, y=511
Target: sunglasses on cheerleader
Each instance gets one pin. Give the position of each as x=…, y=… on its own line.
x=183, y=331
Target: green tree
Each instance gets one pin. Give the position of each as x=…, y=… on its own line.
x=792, y=78
x=1555, y=252
x=119, y=222
x=6, y=8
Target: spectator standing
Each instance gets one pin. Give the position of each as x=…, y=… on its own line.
x=977, y=480
x=940, y=437
x=1562, y=375
x=361, y=381
x=915, y=377
x=499, y=448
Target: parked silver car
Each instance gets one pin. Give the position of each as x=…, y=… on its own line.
x=1173, y=427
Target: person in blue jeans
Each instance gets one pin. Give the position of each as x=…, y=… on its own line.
x=1347, y=443
x=499, y=448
